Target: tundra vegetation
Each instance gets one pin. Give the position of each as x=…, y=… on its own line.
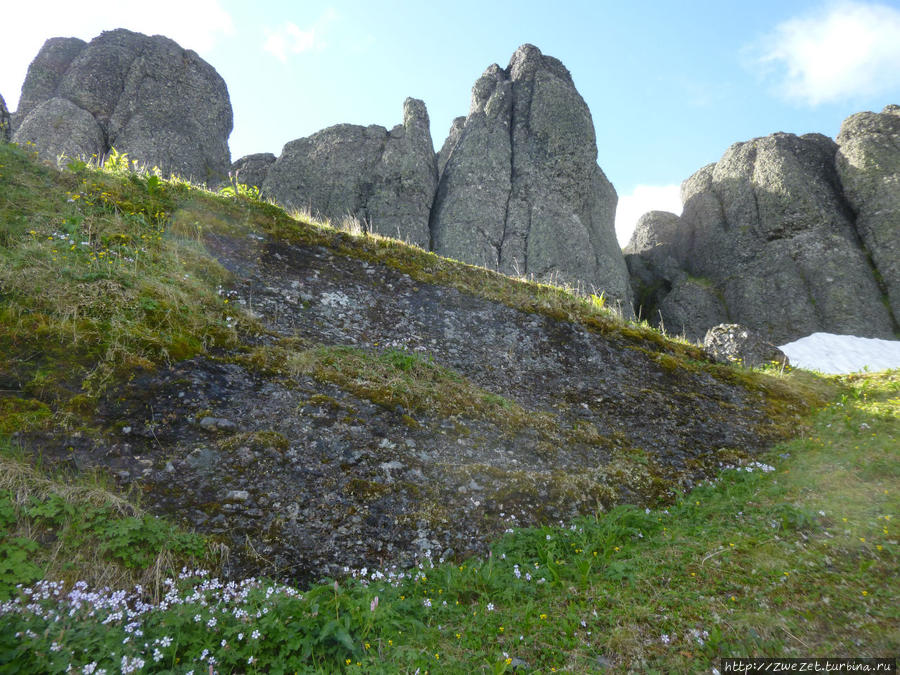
x=102, y=275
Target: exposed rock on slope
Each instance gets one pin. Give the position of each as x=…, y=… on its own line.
x=532, y=419
x=365, y=401
x=387, y=179
x=766, y=239
x=520, y=190
x=733, y=343
x=145, y=96
x=868, y=163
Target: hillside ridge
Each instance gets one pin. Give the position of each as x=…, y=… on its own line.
x=326, y=399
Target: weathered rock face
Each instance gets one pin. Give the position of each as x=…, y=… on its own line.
x=385, y=178
x=665, y=293
x=316, y=476
x=767, y=232
x=252, y=169
x=4, y=122
x=45, y=73
x=161, y=104
x=520, y=189
x=58, y=125
x=868, y=163
x=733, y=343
x=456, y=129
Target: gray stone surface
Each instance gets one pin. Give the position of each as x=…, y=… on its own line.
x=386, y=179
x=59, y=127
x=733, y=343
x=691, y=304
x=252, y=169
x=653, y=256
x=45, y=73
x=768, y=234
x=161, y=104
x=868, y=163
x=665, y=294
x=456, y=129
x=339, y=477
x=4, y=122
x=521, y=191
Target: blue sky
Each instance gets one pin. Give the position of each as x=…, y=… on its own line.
x=670, y=85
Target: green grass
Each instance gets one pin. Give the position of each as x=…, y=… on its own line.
x=793, y=557
x=93, y=282
x=395, y=379
x=78, y=528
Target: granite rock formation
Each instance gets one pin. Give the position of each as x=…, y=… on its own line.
x=868, y=163
x=767, y=239
x=145, y=96
x=520, y=190
x=386, y=179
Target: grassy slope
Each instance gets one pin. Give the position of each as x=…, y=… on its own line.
x=106, y=272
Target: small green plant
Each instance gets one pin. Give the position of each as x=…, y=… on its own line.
x=76, y=165
x=240, y=190
x=597, y=302
x=117, y=162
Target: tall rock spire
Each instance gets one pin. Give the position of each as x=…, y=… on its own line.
x=520, y=190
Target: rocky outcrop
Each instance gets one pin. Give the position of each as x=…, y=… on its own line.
x=387, y=179
x=60, y=127
x=4, y=122
x=665, y=293
x=162, y=105
x=251, y=170
x=868, y=163
x=733, y=343
x=45, y=73
x=520, y=190
x=766, y=239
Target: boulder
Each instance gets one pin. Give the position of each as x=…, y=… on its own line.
x=868, y=163
x=665, y=294
x=386, y=179
x=520, y=190
x=733, y=343
x=252, y=169
x=162, y=105
x=59, y=127
x=653, y=257
x=4, y=122
x=767, y=233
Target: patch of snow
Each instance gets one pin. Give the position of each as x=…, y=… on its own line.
x=840, y=354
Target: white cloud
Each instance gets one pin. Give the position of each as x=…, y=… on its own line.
x=289, y=38
x=844, y=50
x=196, y=25
x=642, y=199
